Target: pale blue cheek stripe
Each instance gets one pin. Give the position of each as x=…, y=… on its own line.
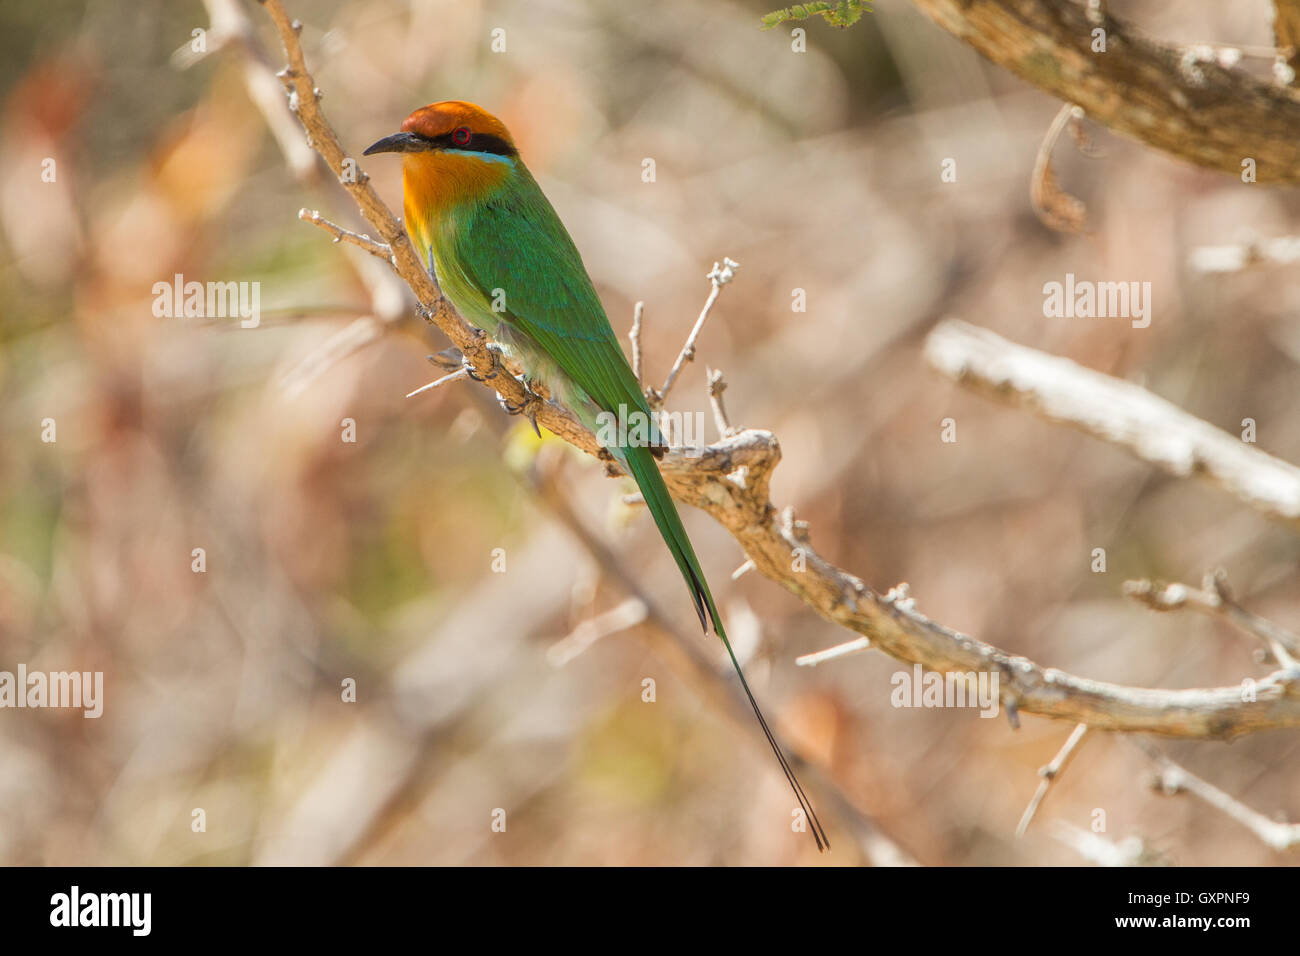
x=486, y=157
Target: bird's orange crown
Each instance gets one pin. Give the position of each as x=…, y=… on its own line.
x=438, y=120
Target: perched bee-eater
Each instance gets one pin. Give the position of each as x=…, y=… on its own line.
x=505, y=261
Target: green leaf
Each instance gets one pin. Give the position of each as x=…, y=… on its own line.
x=843, y=14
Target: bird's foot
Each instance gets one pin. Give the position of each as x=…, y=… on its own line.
x=494, y=353
x=529, y=407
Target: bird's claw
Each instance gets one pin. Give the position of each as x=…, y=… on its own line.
x=529, y=407
x=495, y=354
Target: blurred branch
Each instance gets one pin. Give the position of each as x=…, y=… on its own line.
x=1188, y=101
x=635, y=337
x=354, y=336
x=1216, y=600
x=229, y=27
x=1286, y=33
x=730, y=480
x=627, y=615
x=1172, y=779
x=1049, y=774
x=1119, y=412
x=1056, y=208
x=1103, y=851
x=1281, y=251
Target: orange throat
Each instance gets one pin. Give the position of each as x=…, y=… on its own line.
x=435, y=185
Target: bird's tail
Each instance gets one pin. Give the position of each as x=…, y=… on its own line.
x=641, y=464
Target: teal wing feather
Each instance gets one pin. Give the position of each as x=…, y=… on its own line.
x=516, y=243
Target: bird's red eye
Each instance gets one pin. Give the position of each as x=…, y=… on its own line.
x=460, y=136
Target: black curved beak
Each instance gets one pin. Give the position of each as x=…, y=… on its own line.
x=399, y=143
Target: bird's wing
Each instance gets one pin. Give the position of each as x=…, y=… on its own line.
x=517, y=244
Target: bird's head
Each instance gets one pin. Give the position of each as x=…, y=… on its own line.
x=452, y=152
x=450, y=127
x=454, y=155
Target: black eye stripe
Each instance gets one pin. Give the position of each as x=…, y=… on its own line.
x=478, y=143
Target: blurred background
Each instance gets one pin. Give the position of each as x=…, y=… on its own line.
x=520, y=689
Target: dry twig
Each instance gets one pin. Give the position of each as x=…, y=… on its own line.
x=1056, y=208
x=1049, y=774
x=342, y=235
x=721, y=274
x=1172, y=779
x=1215, y=599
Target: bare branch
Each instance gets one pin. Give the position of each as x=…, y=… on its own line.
x=231, y=28
x=340, y=234
x=1056, y=208
x=1215, y=599
x=1286, y=31
x=1115, y=411
x=635, y=336
x=833, y=653
x=718, y=276
x=455, y=376
x=1281, y=251
x=1172, y=779
x=1049, y=774
x=773, y=541
x=627, y=614
x=716, y=387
